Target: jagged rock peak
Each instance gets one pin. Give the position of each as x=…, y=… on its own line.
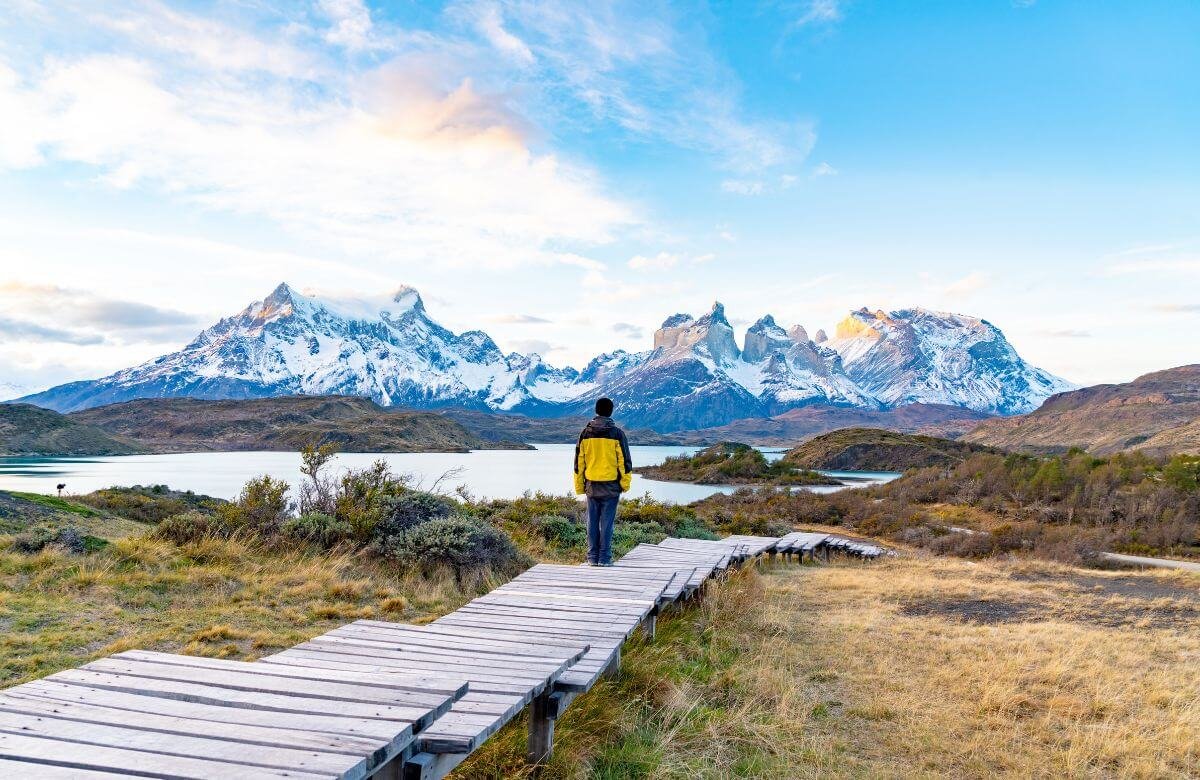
x=798, y=334
x=821, y=336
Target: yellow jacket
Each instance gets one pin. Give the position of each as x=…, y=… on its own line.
x=603, y=468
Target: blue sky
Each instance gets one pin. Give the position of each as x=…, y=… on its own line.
x=564, y=174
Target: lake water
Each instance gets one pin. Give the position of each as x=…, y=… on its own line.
x=485, y=473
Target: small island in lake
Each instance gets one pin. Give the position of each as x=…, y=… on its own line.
x=732, y=463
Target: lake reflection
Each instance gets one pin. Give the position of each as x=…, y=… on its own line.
x=485, y=473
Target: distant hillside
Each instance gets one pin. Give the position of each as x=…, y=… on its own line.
x=1158, y=413
x=732, y=463
x=784, y=430
x=873, y=449
x=287, y=423
x=497, y=427
x=31, y=430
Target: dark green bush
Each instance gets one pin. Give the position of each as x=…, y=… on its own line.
x=68, y=539
x=149, y=504
x=316, y=528
x=410, y=509
x=461, y=543
x=626, y=536
x=560, y=531
x=192, y=527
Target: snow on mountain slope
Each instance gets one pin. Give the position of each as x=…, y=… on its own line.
x=695, y=376
x=920, y=356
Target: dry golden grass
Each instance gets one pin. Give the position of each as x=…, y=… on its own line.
x=218, y=597
x=916, y=667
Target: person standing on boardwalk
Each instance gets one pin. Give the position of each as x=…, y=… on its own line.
x=603, y=470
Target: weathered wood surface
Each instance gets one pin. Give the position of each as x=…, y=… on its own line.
x=158, y=715
x=363, y=698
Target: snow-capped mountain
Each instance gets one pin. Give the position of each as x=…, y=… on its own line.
x=694, y=376
x=919, y=356
x=288, y=344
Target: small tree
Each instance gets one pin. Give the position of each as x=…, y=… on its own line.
x=318, y=494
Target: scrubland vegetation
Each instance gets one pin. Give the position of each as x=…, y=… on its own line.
x=732, y=463
x=1065, y=507
x=926, y=664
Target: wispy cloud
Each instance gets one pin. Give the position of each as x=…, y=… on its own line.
x=1178, y=308
x=666, y=260
x=628, y=330
x=967, y=285
x=31, y=331
x=402, y=155
x=49, y=313
x=816, y=12
x=520, y=319
x=539, y=346
x=1065, y=333
x=645, y=67
x=824, y=169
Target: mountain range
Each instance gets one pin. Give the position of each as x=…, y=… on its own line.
x=694, y=376
x=1157, y=413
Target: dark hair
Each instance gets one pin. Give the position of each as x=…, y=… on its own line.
x=604, y=407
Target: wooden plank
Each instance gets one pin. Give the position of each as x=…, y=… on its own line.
x=81, y=736
x=445, y=686
x=20, y=769
x=228, y=697
x=260, y=680
x=127, y=702
x=494, y=645
x=176, y=724
x=111, y=759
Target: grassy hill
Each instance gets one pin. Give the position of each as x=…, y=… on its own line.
x=22, y=512
x=732, y=463
x=874, y=449
x=351, y=423
x=31, y=430
x=1158, y=413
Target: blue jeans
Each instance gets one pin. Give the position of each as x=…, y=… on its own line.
x=602, y=513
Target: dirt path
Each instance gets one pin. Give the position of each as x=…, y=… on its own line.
x=1158, y=563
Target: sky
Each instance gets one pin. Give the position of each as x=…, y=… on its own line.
x=565, y=175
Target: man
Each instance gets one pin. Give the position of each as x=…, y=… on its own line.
x=602, y=471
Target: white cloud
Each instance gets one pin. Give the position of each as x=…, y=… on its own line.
x=967, y=285
x=664, y=261
x=646, y=67
x=818, y=12
x=744, y=186
x=520, y=319
x=396, y=159
x=660, y=262
x=489, y=20
x=350, y=23
x=824, y=169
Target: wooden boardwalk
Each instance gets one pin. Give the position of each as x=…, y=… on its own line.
x=372, y=699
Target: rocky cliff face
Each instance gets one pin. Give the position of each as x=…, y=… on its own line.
x=694, y=376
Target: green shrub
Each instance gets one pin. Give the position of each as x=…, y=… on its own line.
x=68, y=539
x=413, y=508
x=460, y=543
x=626, y=536
x=33, y=540
x=148, y=504
x=316, y=528
x=192, y=527
x=262, y=507
x=560, y=531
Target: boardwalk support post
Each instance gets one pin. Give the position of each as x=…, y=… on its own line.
x=418, y=767
x=614, y=666
x=650, y=624
x=543, y=711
